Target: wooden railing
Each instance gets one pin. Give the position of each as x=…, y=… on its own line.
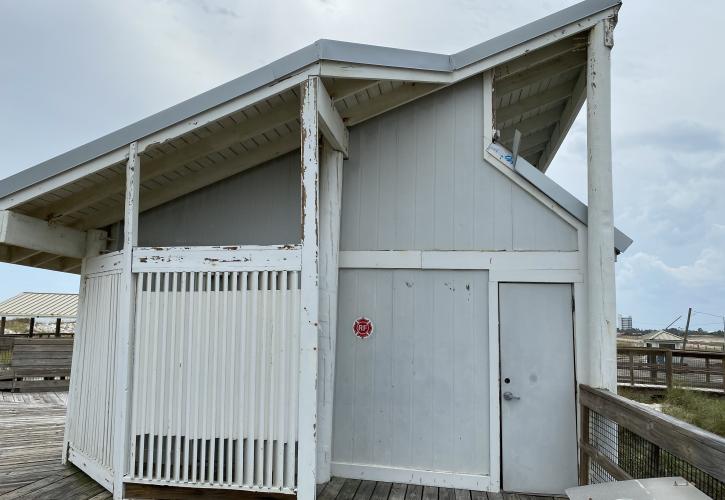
x=35, y=364
x=622, y=440
x=665, y=368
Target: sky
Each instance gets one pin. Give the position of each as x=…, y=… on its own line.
x=72, y=71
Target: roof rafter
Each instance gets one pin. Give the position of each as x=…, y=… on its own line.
x=197, y=180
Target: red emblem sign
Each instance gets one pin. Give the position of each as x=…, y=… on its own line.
x=362, y=327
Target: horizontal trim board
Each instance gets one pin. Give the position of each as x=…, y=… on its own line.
x=107, y=263
x=411, y=476
x=96, y=471
x=458, y=259
x=231, y=258
x=211, y=486
x=536, y=276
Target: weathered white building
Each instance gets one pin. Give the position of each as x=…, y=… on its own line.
x=347, y=262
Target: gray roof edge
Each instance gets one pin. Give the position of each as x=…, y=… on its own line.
x=321, y=50
x=564, y=199
x=260, y=77
x=530, y=31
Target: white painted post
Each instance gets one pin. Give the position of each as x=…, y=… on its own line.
x=309, y=288
x=330, y=205
x=600, y=231
x=125, y=325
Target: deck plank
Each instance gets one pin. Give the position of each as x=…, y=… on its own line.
x=397, y=491
x=348, y=489
x=365, y=491
x=382, y=491
x=331, y=489
x=414, y=492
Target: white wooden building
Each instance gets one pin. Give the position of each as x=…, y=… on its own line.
x=228, y=245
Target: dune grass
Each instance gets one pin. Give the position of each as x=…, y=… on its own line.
x=697, y=408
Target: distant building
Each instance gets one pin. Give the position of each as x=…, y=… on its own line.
x=663, y=340
x=624, y=322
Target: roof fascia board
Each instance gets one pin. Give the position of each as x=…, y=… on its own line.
x=561, y=196
x=530, y=31
x=448, y=69
x=374, y=55
x=120, y=152
x=338, y=69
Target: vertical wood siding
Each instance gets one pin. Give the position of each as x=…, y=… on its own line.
x=416, y=393
x=215, y=379
x=260, y=206
x=91, y=401
x=416, y=180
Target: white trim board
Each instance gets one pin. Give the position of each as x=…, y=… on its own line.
x=96, y=471
x=411, y=476
x=219, y=259
x=459, y=259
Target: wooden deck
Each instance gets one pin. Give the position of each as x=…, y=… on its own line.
x=31, y=439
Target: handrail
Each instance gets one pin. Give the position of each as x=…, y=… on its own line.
x=630, y=428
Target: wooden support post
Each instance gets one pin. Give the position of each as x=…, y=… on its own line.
x=668, y=368
x=309, y=291
x=584, y=438
x=2, y=325
x=687, y=328
x=600, y=227
x=31, y=329
x=631, y=367
x=124, y=339
x=57, y=327
x=330, y=205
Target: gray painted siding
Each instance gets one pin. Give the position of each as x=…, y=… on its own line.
x=416, y=393
x=260, y=206
x=416, y=179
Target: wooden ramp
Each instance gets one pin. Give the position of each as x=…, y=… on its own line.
x=31, y=439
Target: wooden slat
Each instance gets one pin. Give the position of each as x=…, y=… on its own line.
x=702, y=449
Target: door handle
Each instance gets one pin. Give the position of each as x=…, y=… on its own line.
x=508, y=396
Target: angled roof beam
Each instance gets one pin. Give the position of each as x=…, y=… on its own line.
x=197, y=180
x=531, y=125
x=555, y=67
x=278, y=115
x=548, y=97
x=330, y=121
x=541, y=56
x=35, y=234
x=385, y=102
x=571, y=110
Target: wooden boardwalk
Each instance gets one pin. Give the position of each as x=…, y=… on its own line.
x=31, y=439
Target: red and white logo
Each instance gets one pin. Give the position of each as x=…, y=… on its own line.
x=362, y=327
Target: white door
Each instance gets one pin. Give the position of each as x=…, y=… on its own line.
x=538, y=412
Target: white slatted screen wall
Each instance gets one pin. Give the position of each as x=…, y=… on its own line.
x=215, y=379
x=91, y=402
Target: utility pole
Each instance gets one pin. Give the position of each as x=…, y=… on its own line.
x=687, y=328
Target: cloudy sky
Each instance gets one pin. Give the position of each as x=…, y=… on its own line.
x=72, y=71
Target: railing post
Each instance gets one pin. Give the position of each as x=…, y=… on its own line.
x=668, y=368
x=583, y=456
x=631, y=368
x=707, y=370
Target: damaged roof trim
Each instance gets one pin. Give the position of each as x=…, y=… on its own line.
x=322, y=50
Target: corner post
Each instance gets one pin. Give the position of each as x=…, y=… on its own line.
x=330, y=207
x=600, y=232
x=125, y=323
x=309, y=291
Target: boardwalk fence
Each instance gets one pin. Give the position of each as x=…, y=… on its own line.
x=622, y=440
x=34, y=364
x=665, y=368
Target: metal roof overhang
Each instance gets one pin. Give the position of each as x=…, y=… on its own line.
x=254, y=118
